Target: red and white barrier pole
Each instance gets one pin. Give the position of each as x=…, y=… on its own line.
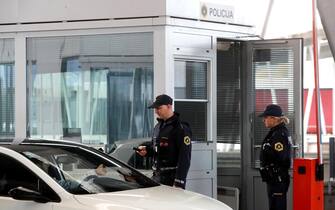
x=308, y=183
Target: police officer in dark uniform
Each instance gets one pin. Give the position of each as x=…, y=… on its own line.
x=171, y=145
x=275, y=157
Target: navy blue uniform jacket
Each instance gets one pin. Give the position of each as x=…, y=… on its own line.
x=276, y=151
x=171, y=147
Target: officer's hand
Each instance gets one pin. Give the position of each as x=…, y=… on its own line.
x=142, y=150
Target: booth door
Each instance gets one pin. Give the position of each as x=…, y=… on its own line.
x=273, y=75
x=192, y=101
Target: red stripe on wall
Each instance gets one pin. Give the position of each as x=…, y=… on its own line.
x=327, y=105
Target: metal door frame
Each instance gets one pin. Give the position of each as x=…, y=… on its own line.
x=250, y=175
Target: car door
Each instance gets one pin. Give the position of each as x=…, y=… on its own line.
x=14, y=174
x=8, y=203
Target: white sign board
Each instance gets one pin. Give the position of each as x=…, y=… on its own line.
x=217, y=12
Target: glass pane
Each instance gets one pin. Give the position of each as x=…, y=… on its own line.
x=228, y=94
x=228, y=155
x=273, y=80
x=80, y=171
x=190, y=80
x=191, y=83
x=129, y=118
x=7, y=88
x=228, y=115
x=91, y=89
x=196, y=115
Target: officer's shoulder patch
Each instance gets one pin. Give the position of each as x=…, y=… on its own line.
x=279, y=146
x=187, y=140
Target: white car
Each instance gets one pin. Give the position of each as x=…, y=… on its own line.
x=58, y=175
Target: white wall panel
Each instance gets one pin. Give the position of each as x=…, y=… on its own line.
x=192, y=41
x=19, y=11
x=26, y=11
x=202, y=186
x=192, y=9
x=8, y=11
x=202, y=160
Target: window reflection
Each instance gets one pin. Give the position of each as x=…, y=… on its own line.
x=191, y=95
x=273, y=84
x=90, y=89
x=228, y=155
x=7, y=88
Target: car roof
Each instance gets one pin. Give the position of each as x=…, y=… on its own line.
x=10, y=143
x=39, y=141
x=18, y=145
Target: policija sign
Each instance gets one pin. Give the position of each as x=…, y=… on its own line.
x=217, y=13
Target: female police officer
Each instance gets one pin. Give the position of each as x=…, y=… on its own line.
x=275, y=156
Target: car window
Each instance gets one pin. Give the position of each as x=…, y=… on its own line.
x=82, y=171
x=14, y=174
x=124, y=151
x=139, y=162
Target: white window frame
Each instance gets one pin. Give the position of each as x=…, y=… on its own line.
x=209, y=61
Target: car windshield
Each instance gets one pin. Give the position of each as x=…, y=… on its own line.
x=84, y=171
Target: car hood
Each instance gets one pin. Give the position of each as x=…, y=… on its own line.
x=154, y=198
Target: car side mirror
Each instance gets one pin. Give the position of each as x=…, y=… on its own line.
x=21, y=193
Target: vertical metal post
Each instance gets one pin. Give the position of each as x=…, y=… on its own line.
x=267, y=17
x=331, y=164
x=316, y=81
x=332, y=158
x=21, y=106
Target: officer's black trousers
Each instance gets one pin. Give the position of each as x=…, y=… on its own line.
x=166, y=178
x=277, y=195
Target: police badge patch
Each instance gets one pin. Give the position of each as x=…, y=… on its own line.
x=279, y=146
x=187, y=140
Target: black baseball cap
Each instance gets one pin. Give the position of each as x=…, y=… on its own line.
x=272, y=110
x=161, y=100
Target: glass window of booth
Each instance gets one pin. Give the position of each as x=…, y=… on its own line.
x=93, y=89
x=191, y=99
x=7, y=88
x=228, y=106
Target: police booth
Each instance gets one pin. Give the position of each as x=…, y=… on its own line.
x=95, y=67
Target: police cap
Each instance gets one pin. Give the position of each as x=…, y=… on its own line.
x=272, y=110
x=161, y=100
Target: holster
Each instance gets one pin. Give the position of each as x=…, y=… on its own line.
x=266, y=174
x=271, y=174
